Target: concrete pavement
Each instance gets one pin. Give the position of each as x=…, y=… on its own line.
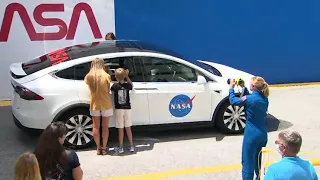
x=185, y=154
x=293, y=107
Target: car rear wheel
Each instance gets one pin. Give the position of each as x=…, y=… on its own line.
x=79, y=124
x=231, y=119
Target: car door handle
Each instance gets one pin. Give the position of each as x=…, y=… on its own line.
x=151, y=88
x=139, y=88
x=145, y=88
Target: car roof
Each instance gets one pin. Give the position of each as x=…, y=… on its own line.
x=101, y=47
x=114, y=46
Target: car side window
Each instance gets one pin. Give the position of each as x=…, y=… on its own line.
x=81, y=70
x=67, y=73
x=133, y=64
x=164, y=70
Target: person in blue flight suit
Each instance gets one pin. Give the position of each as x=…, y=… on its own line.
x=255, y=133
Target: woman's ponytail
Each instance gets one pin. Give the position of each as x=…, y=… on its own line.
x=265, y=89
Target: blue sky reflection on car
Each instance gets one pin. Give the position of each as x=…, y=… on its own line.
x=152, y=47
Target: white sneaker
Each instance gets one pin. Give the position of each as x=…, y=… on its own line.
x=131, y=149
x=120, y=150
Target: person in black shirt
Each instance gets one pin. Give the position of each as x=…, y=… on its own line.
x=123, y=106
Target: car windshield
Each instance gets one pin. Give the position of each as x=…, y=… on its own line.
x=152, y=47
x=212, y=69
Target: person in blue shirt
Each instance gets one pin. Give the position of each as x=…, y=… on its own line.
x=255, y=133
x=291, y=166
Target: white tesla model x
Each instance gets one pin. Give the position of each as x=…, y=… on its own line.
x=168, y=89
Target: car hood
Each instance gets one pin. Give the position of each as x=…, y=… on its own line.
x=229, y=72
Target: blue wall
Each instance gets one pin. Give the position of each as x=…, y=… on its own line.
x=278, y=40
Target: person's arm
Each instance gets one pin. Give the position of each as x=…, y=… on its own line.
x=86, y=79
x=109, y=78
x=314, y=172
x=130, y=82
x=77, y=172
x=315, y=176
x=128, y=79
x=112, y=87
x=234, y=100
x=108, y=82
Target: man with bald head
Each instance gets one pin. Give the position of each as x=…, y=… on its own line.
x=291, y=166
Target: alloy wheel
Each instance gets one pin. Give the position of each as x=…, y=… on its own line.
x=79, y=130
x=234, y=118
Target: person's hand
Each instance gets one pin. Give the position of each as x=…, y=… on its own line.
x=243, y=98
x=232, y=83
x=127, y=72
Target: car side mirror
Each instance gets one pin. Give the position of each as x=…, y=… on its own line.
x=201, y=79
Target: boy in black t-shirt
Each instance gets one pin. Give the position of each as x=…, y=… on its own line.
x=123, y=106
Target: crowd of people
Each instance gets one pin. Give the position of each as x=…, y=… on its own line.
x=51, y=160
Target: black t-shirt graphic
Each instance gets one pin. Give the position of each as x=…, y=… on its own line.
x=121, y=95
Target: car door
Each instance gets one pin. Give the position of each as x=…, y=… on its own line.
x=173, y=93
x=138, y=96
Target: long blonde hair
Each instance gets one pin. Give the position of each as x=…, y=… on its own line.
x=97, y=71
x=260, y=84
x=27, y=167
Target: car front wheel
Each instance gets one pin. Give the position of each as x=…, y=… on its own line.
x=79, y=124
x=231, y=119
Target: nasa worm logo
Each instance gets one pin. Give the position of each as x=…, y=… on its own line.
x=180, y=105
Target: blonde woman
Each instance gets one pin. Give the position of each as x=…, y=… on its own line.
x=100, y=104
x=27, y=167
x=255, y=134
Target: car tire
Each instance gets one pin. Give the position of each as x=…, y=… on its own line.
x=231, y=119
x=79, y=124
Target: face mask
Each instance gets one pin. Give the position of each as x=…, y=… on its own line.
x=278, y=149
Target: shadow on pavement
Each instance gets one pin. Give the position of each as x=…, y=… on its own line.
x=144, y=137
x=275, y=124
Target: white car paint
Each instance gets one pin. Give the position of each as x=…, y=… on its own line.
x=150, y=100
x=232, y=73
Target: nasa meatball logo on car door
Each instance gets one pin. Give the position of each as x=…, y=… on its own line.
x=180, y=105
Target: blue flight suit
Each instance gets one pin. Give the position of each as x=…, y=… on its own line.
x=255, y=133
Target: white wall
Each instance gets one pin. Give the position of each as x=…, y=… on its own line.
x=19, y=47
